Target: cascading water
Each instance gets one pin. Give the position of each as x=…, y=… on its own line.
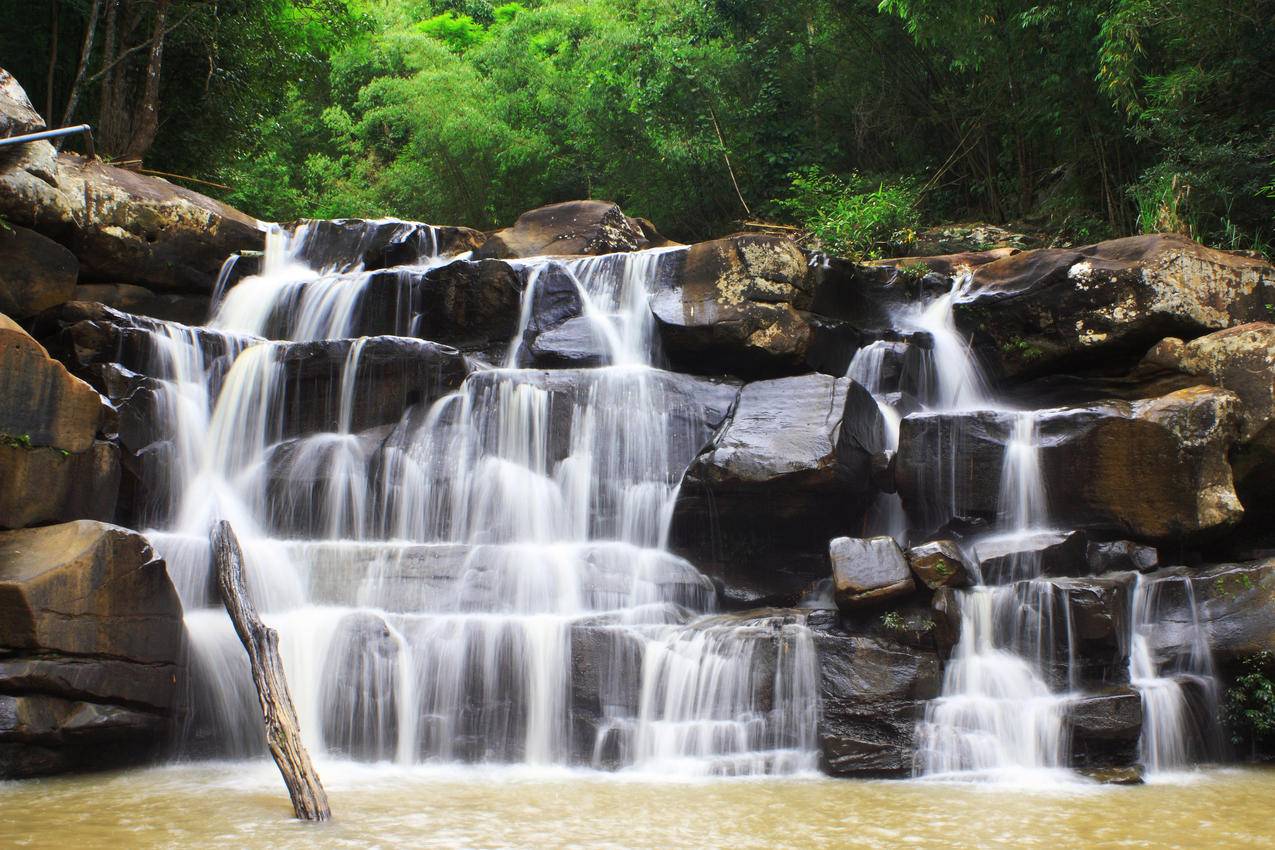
x=485, y=579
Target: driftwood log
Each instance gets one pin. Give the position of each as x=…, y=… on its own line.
x=283, y=733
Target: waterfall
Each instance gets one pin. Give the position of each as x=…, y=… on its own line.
x=1175, y=733
x=485, y=579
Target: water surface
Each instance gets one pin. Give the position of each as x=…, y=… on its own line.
x=235, y=805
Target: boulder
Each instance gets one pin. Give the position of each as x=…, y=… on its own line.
x=473, y=305
x=17, y=116
x=92, y=629
x=44, y=484
x=868, y=572
x=756, y=510
x=1232, y=603
x=1105, y=729
x=360, y=690
x=1154, y=469
x=123, y=225
x=37, y=273
x=872, y=693
x=1043, y=311
x=737, y=306
x=557, y=334
x=939, y=563
x=570, y=228
x=346, y=244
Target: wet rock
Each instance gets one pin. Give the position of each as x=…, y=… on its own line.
x=1049, y=553
x=344, y=244
x=868, y=572
x=736, y=307
x=45, y=484
x=946, y=609
x=393, y=374
x=93, y=631
x=939, y=563
x=1114, y=775
x=976, y=238
x=1046, y=310
x=1231, y=603
x=873, y=692
x=558, y=335
x=1154, y=469
x=606, y=686
x=1121, y=555
x=570, y=228
x=1105, y=729
x=1096, y=611
x=757, y=509
x=38, y=272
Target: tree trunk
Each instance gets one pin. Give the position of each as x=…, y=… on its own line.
x=86, y=51
x=283, y=734
x=146, y=120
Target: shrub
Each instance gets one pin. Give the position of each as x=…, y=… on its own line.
x=853, y=216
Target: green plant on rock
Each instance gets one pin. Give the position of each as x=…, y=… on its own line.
x=1250, y=701
x=18, y=441
x=894, y=621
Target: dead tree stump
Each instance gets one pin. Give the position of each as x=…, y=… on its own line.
x=283, y=733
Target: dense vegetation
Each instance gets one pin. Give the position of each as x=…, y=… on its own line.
x=859, y=121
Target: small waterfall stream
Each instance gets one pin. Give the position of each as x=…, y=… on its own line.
x=486, y=579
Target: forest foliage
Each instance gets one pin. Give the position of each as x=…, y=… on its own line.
x=858, y=120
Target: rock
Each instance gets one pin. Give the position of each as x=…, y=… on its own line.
x=756, y=510
x=1121, y=555
x=41, y=404
x=1233, y=604
x=394, y=373
x=868, y=572
x=1154, y=469
x=1049, y=553
x=44, y=484
x=17, y=116
x=939, y=563
x=38, y=273
x=946, y=607
x=1096, y=614
x=93, y=635
x=1114, y=775
x=471, y=305
x=575, y=344
x=140, y=301
x=307, y=498
x=1240, y=359
x=737, y=308
x=973, y=237
x=123, y=225
x=872, y=692
x=1105, y=729
x=953, y=258
x=570, y=228
x=1047, y=310
x=558, y=335
x=345, y=244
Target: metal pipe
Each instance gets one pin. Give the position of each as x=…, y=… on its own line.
x=54, y=134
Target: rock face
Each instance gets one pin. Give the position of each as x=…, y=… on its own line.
x=92, y=630
x=758, y=508
x=35, y=273
x=868, y=572
x=571, y=228
x=737, y=307
x=138, y=300
x=873, y=692
x=53, y=464
x=1242, y=360
x=1060, y=308
x=1154, y=469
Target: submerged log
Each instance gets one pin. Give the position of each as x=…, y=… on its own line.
x=283, y=733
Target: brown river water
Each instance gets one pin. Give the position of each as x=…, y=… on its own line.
x=244, y=805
